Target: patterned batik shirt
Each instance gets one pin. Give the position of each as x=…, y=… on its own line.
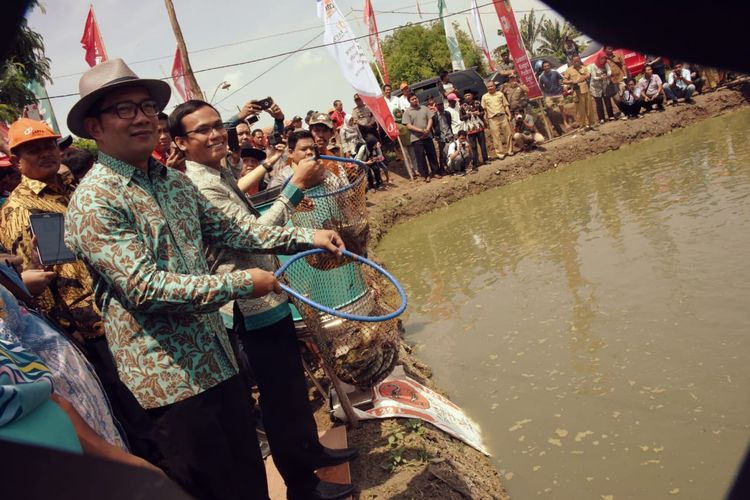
x=74, y=297
x=143, y=234
x=220, y=188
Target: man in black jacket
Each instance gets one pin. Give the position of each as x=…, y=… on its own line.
x=442, y=131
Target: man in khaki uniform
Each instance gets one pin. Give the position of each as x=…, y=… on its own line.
x=577, y=77
x=497, y=113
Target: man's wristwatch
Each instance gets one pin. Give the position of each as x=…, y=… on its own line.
x=267, y=166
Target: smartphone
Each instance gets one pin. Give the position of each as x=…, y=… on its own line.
x=232, y=140
x=49, y=231
x=265, y=103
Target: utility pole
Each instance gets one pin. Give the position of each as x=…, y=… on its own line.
x=187, y=69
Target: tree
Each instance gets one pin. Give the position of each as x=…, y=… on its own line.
x=530, y=28
x=26, y=62
x=416, y=52
x=553, y=35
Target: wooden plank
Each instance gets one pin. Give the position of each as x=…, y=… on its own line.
x=333, y=438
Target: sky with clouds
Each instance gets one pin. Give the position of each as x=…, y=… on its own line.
x=224, y=32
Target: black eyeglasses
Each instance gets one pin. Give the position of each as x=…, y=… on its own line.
x=207, y=129
x=128, y=109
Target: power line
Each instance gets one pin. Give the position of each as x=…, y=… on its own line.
x=292, y=52
x=207, y=49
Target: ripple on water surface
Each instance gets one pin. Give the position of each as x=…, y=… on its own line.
x=594, y=319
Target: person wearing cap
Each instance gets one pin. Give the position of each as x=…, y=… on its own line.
x=252, y=158
x=321, y=128
x=454, y=110
x=296, y=123
x=142, y=228
x=497, y=114
x=505, y=67
x=69, y=298
x=516, y=93
x=364, y=118
x=403, y=99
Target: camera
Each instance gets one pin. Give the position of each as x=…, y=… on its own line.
x=265, y=103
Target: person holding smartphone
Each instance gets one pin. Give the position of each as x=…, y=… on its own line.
x=144, y=230
x=65, y=289
x=69, y=298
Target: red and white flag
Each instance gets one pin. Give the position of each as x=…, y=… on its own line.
x=480, y=30
x=375, y=40
x=180, y=79
x=343, y=46
x=516, y=48
x=92, y=41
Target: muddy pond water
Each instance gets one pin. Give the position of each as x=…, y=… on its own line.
x=595, y=319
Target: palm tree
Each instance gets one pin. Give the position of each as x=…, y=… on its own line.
x=530, y=28
x=553, y=35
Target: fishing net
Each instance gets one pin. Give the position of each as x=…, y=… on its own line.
x=350, y=306
x=338, y=203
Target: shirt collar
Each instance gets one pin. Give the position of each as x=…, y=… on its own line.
x=126, y=169
x=37, y=186
x=199, y=168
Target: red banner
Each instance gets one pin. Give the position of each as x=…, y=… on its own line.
x=92, y=41
x=375, y=40
x=179, y=79
x=515, y=47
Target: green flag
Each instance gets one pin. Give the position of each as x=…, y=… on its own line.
x=457, y=60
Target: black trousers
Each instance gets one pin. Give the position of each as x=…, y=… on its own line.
x=601, y=103
x=425, y=147
x=273, y=352
x=478, y=142
x=658, y=101
x=631, y=109
x=208, y=444
x=132, y=417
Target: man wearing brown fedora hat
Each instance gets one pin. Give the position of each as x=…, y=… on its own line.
x=141, y=228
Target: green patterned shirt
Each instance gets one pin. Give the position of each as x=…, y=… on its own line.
x=144, y=237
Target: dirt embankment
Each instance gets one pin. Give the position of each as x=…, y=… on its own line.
x=401, y=459
x=408, y=199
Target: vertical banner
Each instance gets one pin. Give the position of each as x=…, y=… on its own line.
x=482, y=39
x=516, y=48
x=374, y=40
x=343, y=46
x=457, y=60
x=92, y=41
x=42, y=109
x=179, y=78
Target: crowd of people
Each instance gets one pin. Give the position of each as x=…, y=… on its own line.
x=145, y=347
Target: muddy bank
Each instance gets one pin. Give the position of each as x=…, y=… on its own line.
x=408, y=199
x=401, y=459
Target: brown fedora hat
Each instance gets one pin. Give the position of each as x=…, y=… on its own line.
x=104, y=78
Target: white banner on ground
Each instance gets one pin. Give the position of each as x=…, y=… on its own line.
x=400, y=396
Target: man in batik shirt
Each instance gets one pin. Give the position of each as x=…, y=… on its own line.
x=143, y=229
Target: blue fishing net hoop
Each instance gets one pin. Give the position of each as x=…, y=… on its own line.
x=335, y=310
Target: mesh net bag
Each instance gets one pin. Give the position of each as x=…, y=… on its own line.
x=361, y=352
x=338, y=203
